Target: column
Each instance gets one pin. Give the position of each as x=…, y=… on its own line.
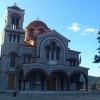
x=19, y=84
x=78, y=85
x=15, y=24
x=48, y=85
x=24, y=85
x=86, y=86
x=68, y=85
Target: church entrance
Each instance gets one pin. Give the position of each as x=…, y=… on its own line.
x=76, y=83
x=36, y=80
x=52, y=84
x=11, y=81
x=58, y=81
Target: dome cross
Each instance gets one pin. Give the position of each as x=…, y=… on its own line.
x=37, y=18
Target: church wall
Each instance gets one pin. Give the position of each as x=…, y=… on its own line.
x=74, y=55
x=73, y=87
x=3, y=76
x=65, y=84
x=10, y=46
x=40, y=44
x=5, y=70
x=28, y=50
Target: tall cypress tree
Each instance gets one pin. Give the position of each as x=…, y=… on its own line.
x=97, y=57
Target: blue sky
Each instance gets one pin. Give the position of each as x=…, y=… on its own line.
x=77, y=20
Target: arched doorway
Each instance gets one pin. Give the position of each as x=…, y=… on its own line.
x=58, y=80
x=36, y=80
x=75, y=82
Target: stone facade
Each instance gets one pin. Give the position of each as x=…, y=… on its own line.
x=36, y=58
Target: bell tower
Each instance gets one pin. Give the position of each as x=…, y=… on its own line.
x=14, y=17
x=13, y=32
x=12, y=38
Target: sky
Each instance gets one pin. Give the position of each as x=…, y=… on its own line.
x=77, y=20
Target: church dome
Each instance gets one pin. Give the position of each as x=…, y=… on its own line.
x=35, y=28
x=37, y=23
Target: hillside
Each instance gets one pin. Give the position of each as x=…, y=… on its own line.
x=90, y=78
x=94, y=85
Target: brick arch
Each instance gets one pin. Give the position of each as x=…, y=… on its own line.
x=40, y=28
x=16, y=15
x=53, y=42
x=36, y=69
x=59, y=48
x=28, y=28
x=31, y=32
x=75, y=72
x=47, y=46
x=58, y=70
x=13, y=52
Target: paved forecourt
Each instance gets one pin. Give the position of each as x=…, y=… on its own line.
x=77, y=96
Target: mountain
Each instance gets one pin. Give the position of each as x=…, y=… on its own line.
x=90, y=78
x=94, y=85
x=93, y=82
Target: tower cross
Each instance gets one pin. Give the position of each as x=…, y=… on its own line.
x=15, y=4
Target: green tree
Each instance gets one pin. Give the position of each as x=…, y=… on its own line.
x=97, y=57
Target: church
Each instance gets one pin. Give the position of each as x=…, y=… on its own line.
x=36, y=58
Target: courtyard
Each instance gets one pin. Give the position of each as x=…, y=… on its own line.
x=71, y=96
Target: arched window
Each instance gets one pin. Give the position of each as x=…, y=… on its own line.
x=17, y=23
x=25, y=58
x=10, y=37
x=71, y=61
x=52, y=51
x=12, y=60
x=47, y=52
x=18, y=38
x=57, y=53
x=52, y=46
x=41, y=30
x=31, y=32
x=74, y=61
x=14, y=38
x=15, y=20
x=29, y=58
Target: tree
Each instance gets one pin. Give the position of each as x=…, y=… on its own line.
x=80, y=60
x=97, y=57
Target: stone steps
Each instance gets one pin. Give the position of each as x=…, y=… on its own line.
x=60, y=92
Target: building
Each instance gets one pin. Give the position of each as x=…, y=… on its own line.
x=37, y=58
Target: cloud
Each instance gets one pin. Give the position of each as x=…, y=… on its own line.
x=83, y=34
x=84, y=30
x=90, y=30
x=74, y=27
